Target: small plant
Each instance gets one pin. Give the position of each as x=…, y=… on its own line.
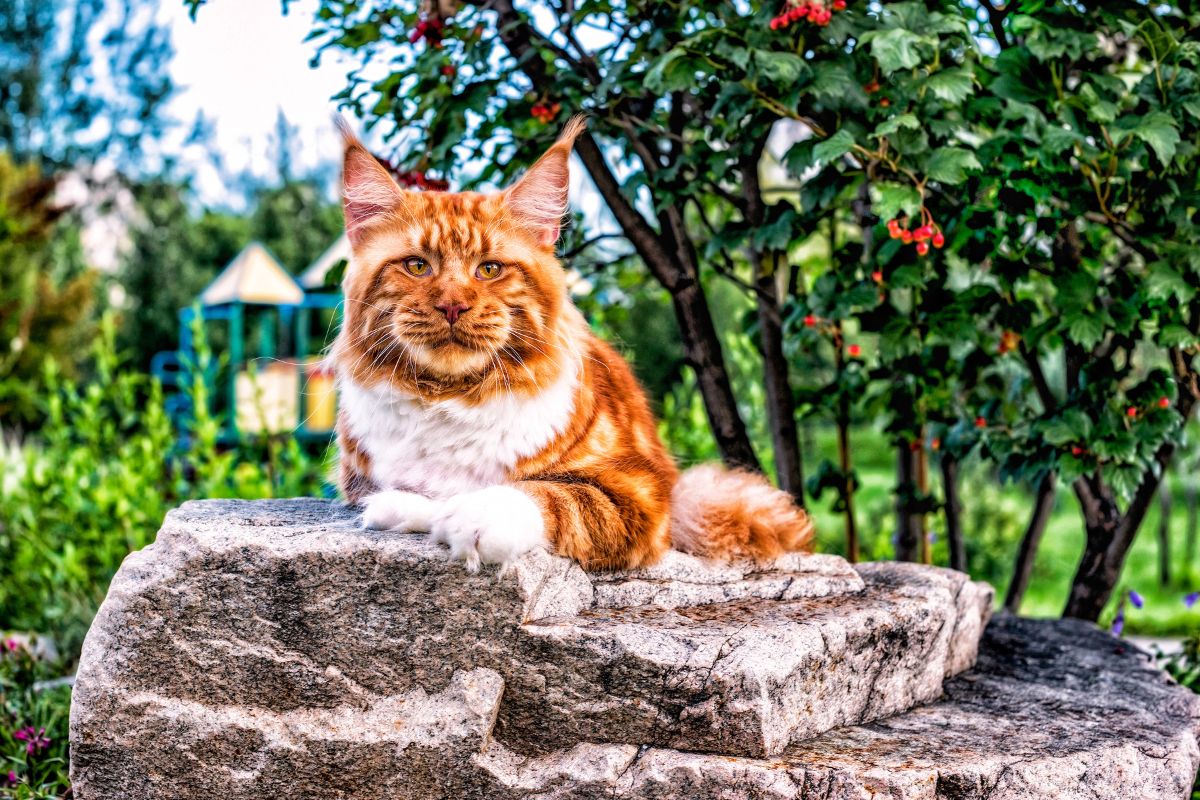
x=33, y=731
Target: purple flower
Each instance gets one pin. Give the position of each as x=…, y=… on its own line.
x=11, y=778
x=1191, y=599
x=37, y=740
x=1118, y=623
x=1135, y=598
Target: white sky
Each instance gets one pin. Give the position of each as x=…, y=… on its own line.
x=239, y=64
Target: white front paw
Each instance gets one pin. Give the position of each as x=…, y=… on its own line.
x=489, y=526
x=395, y=510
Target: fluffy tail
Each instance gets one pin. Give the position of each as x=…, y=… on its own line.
x=734, y=514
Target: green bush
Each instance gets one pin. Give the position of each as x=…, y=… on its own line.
x=95, y=485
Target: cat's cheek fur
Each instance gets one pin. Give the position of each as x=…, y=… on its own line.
x=395, y=510
x=495, y=525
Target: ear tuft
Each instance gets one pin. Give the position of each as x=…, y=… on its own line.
x=539, y=198
x=368, y=190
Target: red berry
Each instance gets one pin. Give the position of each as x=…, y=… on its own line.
x=938, y=240
x=1164, y=402
x=906, y=237
x=923, y=232
x=854, y=351
x=877, y=276
x=922, y=248
x=839, y=5
x=448, y=70
x=872, y=87
x=884, y=102
x=1131, y=411
x=1077, y=451
x=935, y=445
x=809, y=320
x=914, y=445
x=981, y=422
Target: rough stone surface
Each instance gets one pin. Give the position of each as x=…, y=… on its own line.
x=272, y=646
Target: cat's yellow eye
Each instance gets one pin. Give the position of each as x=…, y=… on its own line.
x=417, y=267
x=488, y=270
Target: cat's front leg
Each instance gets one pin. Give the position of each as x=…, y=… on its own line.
x=396, y=510
x=495, y=525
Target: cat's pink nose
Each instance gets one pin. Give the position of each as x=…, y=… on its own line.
x=453, y=311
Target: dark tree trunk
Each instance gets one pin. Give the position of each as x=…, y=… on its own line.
x=1164, y=533
x=1110, y=534
x=781, y=404
x=702, y=348
x=843, y=431
x=953, y=510
x=1043, y=507
x=909, y=528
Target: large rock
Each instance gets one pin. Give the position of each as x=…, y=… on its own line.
x=275, y=649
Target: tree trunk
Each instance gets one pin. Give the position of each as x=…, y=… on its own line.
x=843, y=431
x=953, y=510
x=781, y=406
x=908, y=519
x=1164, y=533
x=702, y=349
x=1110, y=534
x=1043, y=507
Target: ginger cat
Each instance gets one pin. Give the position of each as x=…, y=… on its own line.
x=477, y=405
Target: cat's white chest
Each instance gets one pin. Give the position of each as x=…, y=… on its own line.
x=445, y=448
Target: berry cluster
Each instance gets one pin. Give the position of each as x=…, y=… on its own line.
x=416, y=179
x=852, y=350
x=545, y=112
x=429, y=29
x=815, y=11
x=1133, y=412
x=928, y=233
x=1009, y=340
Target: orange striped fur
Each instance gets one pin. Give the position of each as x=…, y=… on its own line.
x=476, y=403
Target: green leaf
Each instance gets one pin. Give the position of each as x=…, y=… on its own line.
x=949, y=165
x=1192, y=106
x=834, y=147
x=951, y=85
x=675, y=70
x=1085, y=330
x=779, y=67
x=890, y=199
x=896, y=123
x=894, y=49
x=1176, y=336
x=1157, y=129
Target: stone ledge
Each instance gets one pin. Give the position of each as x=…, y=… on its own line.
x=284, y=609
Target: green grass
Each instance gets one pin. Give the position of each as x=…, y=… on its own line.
x=994, y=518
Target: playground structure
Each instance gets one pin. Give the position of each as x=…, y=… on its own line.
x=268, y=378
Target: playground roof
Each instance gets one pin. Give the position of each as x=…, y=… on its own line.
x=314, y=277
x=254, y=276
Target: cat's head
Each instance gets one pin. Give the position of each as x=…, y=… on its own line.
x=452, y=287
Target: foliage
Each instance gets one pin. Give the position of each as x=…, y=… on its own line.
x=98, y=480
x=45, y=294
x=33, y=734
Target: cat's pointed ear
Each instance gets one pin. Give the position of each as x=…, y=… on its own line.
x=539, y=198
x=368, y=191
